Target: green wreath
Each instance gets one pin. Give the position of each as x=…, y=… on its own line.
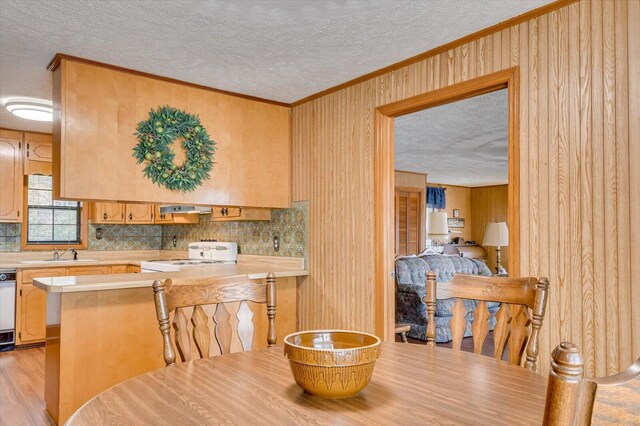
x=158, y=132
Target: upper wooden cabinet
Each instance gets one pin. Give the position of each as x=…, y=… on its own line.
x=141, y=214
x=169, y=218
x=231, y=214
x=107, y=213
x=99, y=108
x=10, y=176
x=37, y=154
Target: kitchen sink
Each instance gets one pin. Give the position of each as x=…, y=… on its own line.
x=58, y=261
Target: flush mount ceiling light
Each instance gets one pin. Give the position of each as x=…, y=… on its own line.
x=30, y=108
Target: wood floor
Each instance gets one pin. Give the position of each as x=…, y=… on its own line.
x=22, y=388
x=22, y=383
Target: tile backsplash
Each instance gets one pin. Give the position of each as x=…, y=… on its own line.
x=125, y=237
x=253, y=237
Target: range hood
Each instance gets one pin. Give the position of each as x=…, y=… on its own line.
x=185, y=209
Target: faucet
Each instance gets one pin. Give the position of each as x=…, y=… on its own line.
x=57, y=255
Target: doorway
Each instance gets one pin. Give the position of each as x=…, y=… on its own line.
x=384, y=163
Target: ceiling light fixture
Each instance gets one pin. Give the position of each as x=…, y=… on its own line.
x=30, y=108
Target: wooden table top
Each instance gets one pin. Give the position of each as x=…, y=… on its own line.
x=411, y=384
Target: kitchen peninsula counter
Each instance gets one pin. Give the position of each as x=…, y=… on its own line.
x=123, y=281
x=102, y=329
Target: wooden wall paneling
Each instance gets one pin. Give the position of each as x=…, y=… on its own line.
x=572, y=164
x=554, y=314
x=459, y=197
x=523, y=62
x=597, y=137
x=488, y=204
x=579, y=74
x=610, y=187
x=586, y=194
x=633, y=33
x=623, y=237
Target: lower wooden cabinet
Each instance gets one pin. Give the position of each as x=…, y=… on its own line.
x=33, y=314
x=131, y=269
x=118, y=269
x=31, y=302
x=87, y=270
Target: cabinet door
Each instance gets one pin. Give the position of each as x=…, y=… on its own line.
x=139, y=213
x=88, y=270
x=118, y=269
x=37, y=153
x=33, y=314
x=107, y=213
x=10, y=176
x=132, y=269
x=28, y=275
x=408, y=220
x=161, y=218
x=230, y=214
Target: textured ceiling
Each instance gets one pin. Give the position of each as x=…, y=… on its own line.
x=462, y=143
x=283, y=50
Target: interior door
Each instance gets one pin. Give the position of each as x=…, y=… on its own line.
x=408, y=207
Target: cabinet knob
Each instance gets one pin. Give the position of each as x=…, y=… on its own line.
x=130, y=216
x=104, y=216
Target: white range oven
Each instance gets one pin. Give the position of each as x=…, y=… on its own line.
x=7, y=308
x=200, y=253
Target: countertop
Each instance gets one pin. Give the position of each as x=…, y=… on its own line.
x=122, y=281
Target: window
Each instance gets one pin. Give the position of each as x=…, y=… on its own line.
x=49, y=221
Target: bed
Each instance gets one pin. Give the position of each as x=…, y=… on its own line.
x=411, y=280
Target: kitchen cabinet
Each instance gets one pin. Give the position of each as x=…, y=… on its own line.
x=102, y=105
x=31, y=305
x=162, y=218
x=231, y=214
x=33, y=314
x=141, y=214
x=118, y=269
x=37, y=154
x=31, y=302
x=10, y=176
x=75, y=271
x=107, y=213
x=171, y=218
x=133, y=269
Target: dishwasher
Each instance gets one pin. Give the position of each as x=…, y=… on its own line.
x=7, y=309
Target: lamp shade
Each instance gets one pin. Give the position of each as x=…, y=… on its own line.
x=496, y=234
x=437, y=224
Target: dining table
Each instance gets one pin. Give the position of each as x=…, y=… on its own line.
x=411, y=384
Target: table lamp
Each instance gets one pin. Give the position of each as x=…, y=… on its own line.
x=496, y=235
x=437, y=227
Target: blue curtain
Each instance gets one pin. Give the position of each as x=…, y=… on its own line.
x=436, y=197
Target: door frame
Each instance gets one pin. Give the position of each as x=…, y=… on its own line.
x=384, y=229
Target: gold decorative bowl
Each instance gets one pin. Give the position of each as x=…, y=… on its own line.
x=332, y=363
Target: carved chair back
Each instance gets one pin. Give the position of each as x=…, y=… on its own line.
x=572, y=400
x=518, y=320
x=193, y=335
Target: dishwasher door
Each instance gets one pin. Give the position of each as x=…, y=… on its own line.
x=7, y=307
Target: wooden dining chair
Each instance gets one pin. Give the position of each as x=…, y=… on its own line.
x=173, y=296
x=572, y=400
x=518, y=320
